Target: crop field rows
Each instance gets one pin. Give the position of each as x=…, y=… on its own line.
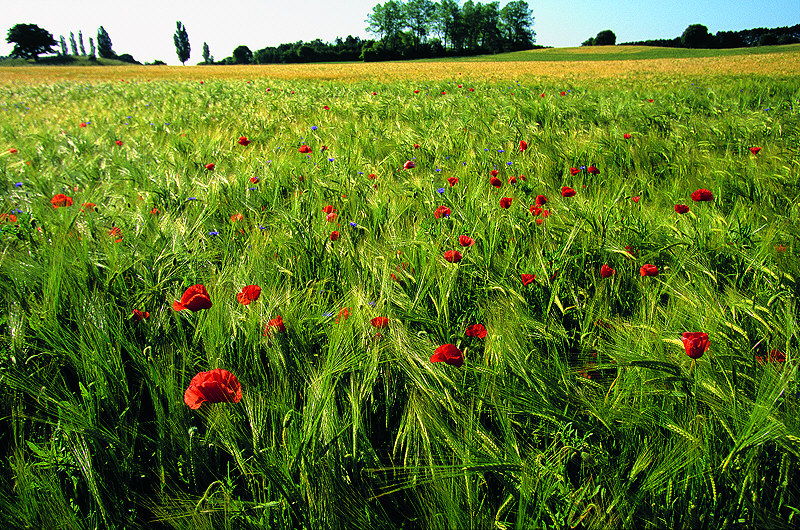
x=407, y=295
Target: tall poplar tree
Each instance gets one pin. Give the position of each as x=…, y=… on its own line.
x=181, y=39
x=104, y=44
x=63, y=45
x=207, y=57
x=80, y=42
x=72, y=45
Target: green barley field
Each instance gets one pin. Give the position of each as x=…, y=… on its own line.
x=478, y=291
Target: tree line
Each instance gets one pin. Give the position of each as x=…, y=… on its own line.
x=698, y=36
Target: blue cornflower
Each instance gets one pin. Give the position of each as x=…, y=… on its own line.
x=313, y=127
x=327, y=314
x=440, y=190
x=330, y=160
x=213, y=233
x=17, y=184
x=192, y=199
x=353, y=224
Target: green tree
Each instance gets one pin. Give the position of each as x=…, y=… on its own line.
x=181, y=40
x=387, y=21
x=30, y=41
x=695, y=36
x=104, y=44
x=420, y=15
x=605, y=38
x=242, y=55
x=80, y=42
x=517, y=23
x=73, y=46
x=92, y=49
x=449, y=25
x=63, y=43
x=207, y=57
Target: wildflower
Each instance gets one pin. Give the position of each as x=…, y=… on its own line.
x=254, y=180
x=574, y=171
x=440, y=190
x=409, y=164
x=275, y=324
x=154, y=211
x=237, y=217
x=119, y=143
x=8, y=218
x=334, y=235
x=441, y=211
x=379, y=322
x=696, y=344
x=648, y=270
x=681, y=208
x=541, y=200
x=61, y=200
x=592, y=170
x=344, y=314
x=116, y=232
x=535, y=210
x=512, y=180
x=523, y=145
x=304, y=149
x=328, y=209
x=755, y=150
x=331, y=217
x=452, y=181
x=372, y=176
x=416, y=146
x=496, y=182
x=138, y=316
x=12, y=150
x=702, y=195
x=448, y=354
x=87, y=206
x=527, y=278
x=250, y=293
x=505, y=202
x=566, y=191
x=210, y=167
x=627, y=136
x=465, y=241
x=476, y=330
x=194, y=298
x=494, y=172
x=606, y=271
x=635, y=198
x=453, y=256
x=215, y=386
x=243, y=141
x=775, y=356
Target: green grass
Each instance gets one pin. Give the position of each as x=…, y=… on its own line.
x=579, y=408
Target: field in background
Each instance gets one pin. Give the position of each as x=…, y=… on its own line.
x=578, y=407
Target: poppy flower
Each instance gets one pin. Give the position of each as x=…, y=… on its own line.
x=237, y=217
x=627, y=136
x=61, y=200
x=87, y=206
x=523, y=145
x=138, y=316
x=696, y=343
x=592, y=170
x=453, y=256
x=755, y=150
x=448, y=354
x=496, y=182
x=648, y=270
x=416, y=146
x=527, y=278
x=535, y=210
x=635, y=198
x=374, y=93
x=372, y=176
x=442, y=211
x=566, y=191
x=465, y=241
x=344, y=314
x=476, y=330
x=194, y=298
x=276, y=324
x=210, y=167
x=574, y=171
x=702, y=195
x=494, y=172
x=379, y=322
x=328, y=209
x=119, y=143
x=409, y=164
x=8, y=218
x=452, y=181
x=512, y=180
x=250, y=293
x=215, y=386
x=650, y=100
x=116, y=232
x=154, y=211
x=13, y=150
x=681, y=208
x=606, y=271
x=325, y=107
x=505, y=202
x=541, y=200
x=243, y=141
x=416, y=91
x=334, y=235
x=254, y=179
x=304, y=149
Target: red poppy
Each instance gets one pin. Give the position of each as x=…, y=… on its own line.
x=574, y=171
x=635, y=198
x=254, y=179
x=448, y=354
x=696, y=343
x=496, y=182
x=61, y=200
x=328, y=209
x=648, y=270
x=250, y=293
x=13, y=150
x=119, y=143
x=494, y=172
x=465, y=241
x=505, y=202
x=116, y=232
x=476, y=330
x=592, y=170
x=304, y=149
x=627, y=136
x=523, y=145
x=566, y=191
x=374, y=93
x=372, y=176
x=755, y=150
x=416, y=91
x=416, y=146
x=344, y=314
x=681, y=208
x=452, y=181
x=512, y=180
x=325, y=107
x=216, y=386
x=702, y=195
x=379, y=322
x=154, y=211
x=138, y=316
x=409, y=164
x=563, y=93
x=453, y=256
x=442, y=211
x=237, y=217
x=243, y=141
x=277, y=324
x=210, y=167
x=8, y=218
x=541, y=200
x=606, y=271
x=87, y=206
x=334, y=235
x=535, y=210
x=650, y=100
x=527, y=278
x=194, y=298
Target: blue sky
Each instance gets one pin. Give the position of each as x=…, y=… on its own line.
x=145, y=28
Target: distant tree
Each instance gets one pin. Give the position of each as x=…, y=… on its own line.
x=730, y=39
x=517, y=22
x=588, y=42
x=126, y=58
x=104, y=44
x=449, y=24
x=605, y=38
x=30, y=41
x=73, y=46
x=80, y=42
x=92, y=49
x=181, y=39
x=768, y=39
x=63, y=43
x=207, y=57
x=242, y=55
x=419, y=15
x=695, y=36
x=387, y=21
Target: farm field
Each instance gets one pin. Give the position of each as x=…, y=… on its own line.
x=476, y=294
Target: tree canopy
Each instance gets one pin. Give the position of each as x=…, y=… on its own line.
x=181, y=40
x=104, y=44
x=30, y=41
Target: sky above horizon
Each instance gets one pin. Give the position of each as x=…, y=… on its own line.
x=145, y=28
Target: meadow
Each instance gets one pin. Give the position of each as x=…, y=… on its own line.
x=509, y=295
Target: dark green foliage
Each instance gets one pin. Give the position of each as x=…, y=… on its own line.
x=104, y=44
x=696, y=36
x=242, y=55
x=80, y=43
x=181, y=40
x=605, y=38
x=63, y=44
x=73, y=45
x=207, y=57
x=30, y=41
